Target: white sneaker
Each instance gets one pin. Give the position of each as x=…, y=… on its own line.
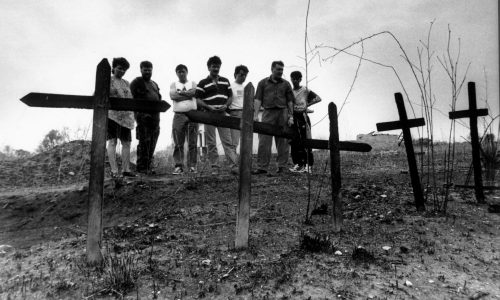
x=308, y=169
x=178, y=171
x=297, y=169
x=192, y=170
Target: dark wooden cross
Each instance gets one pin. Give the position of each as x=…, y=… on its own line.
x=473, y=113
x=248, y=127
x=100, y=102
x=405, y=125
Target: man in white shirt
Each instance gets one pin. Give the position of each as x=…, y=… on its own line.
x=236, y=100
x=182, y=94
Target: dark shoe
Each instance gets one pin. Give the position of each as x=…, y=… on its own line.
x=258, y=172
x=129, y=174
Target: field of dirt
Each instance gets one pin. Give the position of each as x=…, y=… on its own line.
x=171, y=237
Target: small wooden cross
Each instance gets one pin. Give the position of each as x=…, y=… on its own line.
x=100, y=103
x=473, y=113
x=248, y=127
x=405, y=125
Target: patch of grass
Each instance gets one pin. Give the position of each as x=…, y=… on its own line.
x=121, y=273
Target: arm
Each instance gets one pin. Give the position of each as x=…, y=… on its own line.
x=177, y=96
x=201, y=104
x=312, y=98
x=258, y=100
x=290, y=101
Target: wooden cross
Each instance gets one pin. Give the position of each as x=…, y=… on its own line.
x=405, y=125
x=248, y=127
x=100, y=103
x=473, y=113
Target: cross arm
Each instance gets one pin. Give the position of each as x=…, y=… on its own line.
x=459, y=114
x=386, y=126
x=268, y=129
x=87, y=102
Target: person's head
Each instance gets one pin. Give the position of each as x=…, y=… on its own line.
x=119, y=66
x=213, y=65
x=296, y=78
x=181, y=71
x=240, y=73
x=277, y=69
x=146, y=70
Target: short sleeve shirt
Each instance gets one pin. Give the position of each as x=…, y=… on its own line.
x=214, y=93
x=120, y=88
x=274, y=94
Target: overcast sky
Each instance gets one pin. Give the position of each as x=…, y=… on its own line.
x=54, y=46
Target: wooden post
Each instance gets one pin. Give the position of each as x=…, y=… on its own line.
x=245, y=191
x=97, y=155
x=335, y=168
x=472, y=113
x=410, y=154
x=476, y=147
x=405, y=125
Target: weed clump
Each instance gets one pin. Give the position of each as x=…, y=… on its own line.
x=316, y=243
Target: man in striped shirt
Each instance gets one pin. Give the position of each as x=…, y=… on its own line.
x=212, y=94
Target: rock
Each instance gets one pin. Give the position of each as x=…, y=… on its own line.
x=5, y=249
x=386, y=248
x=71, y=173
x=408, y=283
x=404, y=249
x=338, y=252
x=383, y=196
x=206, y=262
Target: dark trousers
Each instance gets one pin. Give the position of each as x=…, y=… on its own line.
x=147, y=135
x=300, y=155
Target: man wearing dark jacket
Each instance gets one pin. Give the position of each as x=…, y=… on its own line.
x=148, y=124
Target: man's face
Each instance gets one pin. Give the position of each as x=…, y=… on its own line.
x=296, y=82
x=214, y=70
x=277, y=71
x=182, y=75
x=146, y=73
x=240, y=77
x=119, y=71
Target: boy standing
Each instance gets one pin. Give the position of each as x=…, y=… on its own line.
x=236, y=100
x=182, y=94
x=213, y=95
x=120, y=123
x=302, y=158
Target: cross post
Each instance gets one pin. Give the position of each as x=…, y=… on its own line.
x=334, y=144
x=245, y=187
x=100, y=103
x=405, y=125
x=473, y=113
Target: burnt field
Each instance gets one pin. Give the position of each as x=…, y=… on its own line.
x=169, y=237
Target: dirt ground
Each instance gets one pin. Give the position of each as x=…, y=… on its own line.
x=172, y=236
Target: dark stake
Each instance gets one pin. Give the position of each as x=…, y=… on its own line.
x=405, y=125
x=473, y=113
x=100, y=103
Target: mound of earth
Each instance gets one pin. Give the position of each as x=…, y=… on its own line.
x=64, y=164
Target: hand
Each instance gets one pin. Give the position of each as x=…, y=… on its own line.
x=221, y=108
x=256, y=118
x=290, y=121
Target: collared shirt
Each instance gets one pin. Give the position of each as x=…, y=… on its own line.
x=274, y=94
x=120, y=88
x=214, y=93
x=148, y=90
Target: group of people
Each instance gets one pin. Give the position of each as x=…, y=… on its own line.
x=283, y=104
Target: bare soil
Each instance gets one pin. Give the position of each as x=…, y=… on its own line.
x=174, y=236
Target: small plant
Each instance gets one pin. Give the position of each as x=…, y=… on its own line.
x=121, y=273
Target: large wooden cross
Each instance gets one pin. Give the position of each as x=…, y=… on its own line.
x=473, y=113
x=248, y=127
x=405, y=125
x=100, y=102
